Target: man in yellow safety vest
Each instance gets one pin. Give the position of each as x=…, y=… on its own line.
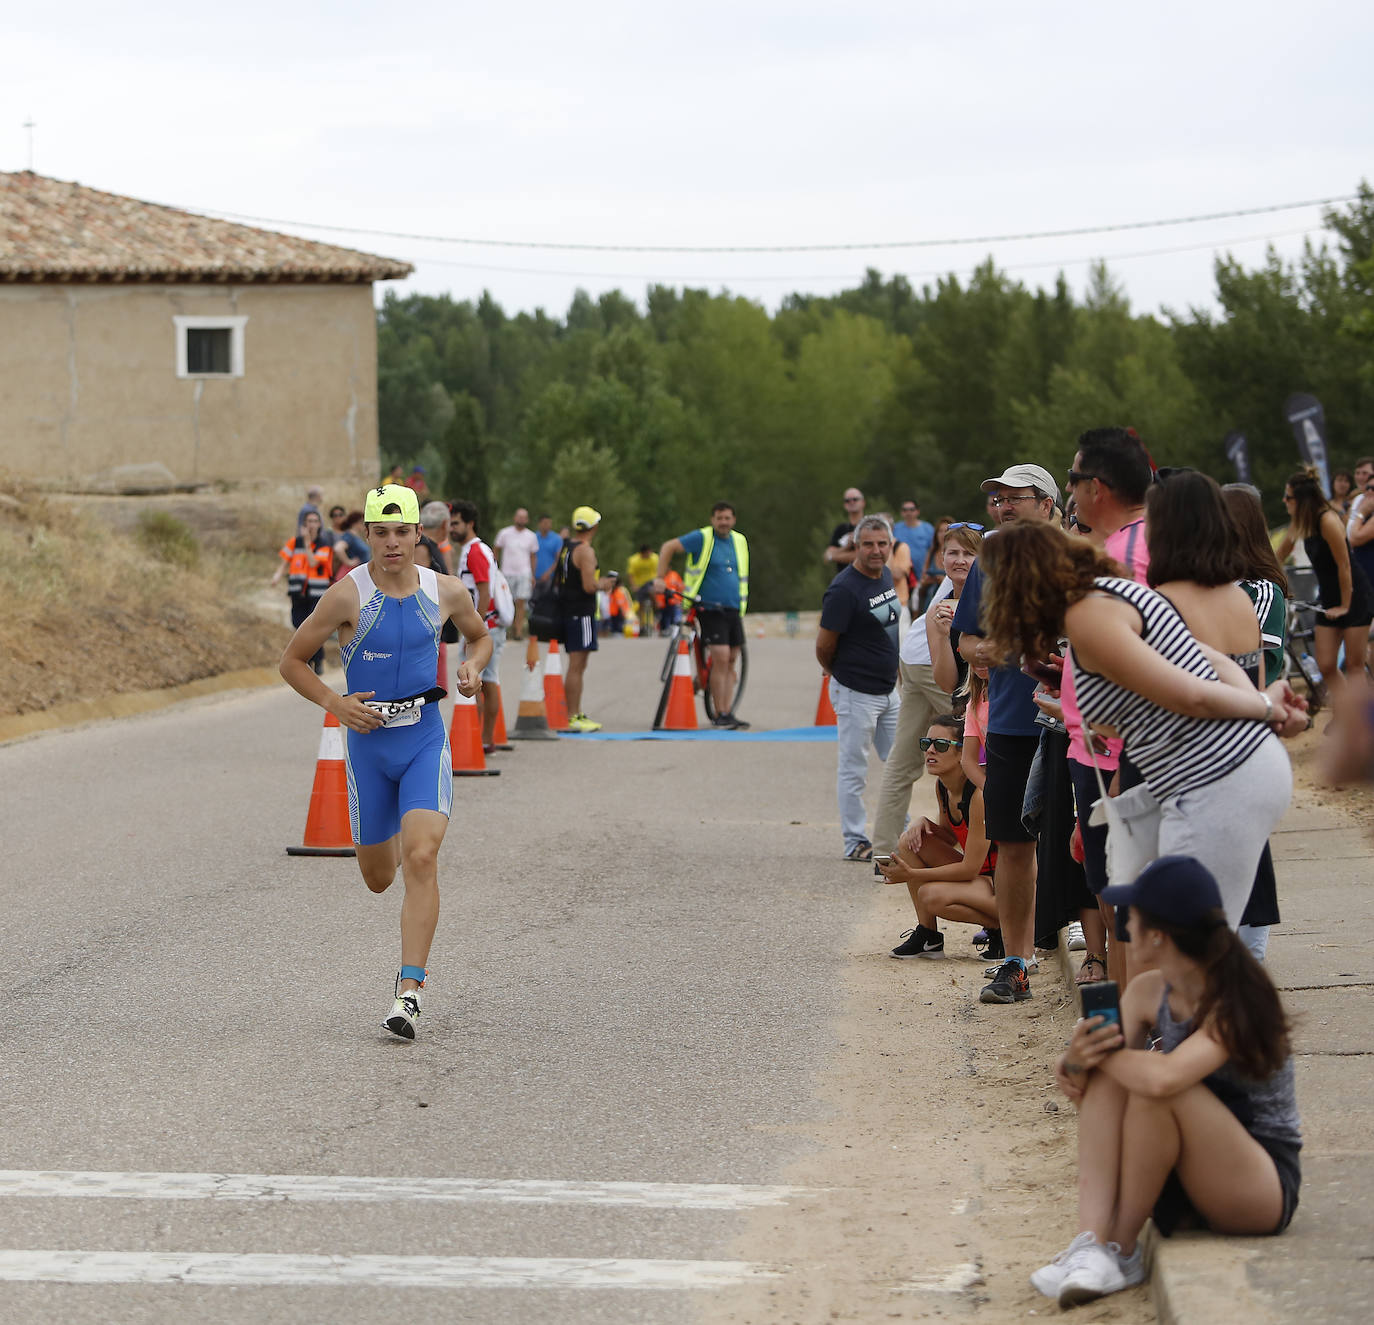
x=717, y=576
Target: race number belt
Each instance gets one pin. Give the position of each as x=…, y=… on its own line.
x=404, y=712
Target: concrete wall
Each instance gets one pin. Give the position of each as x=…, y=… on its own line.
x=88, y=381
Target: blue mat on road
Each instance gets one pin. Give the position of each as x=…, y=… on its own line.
x=711, y=734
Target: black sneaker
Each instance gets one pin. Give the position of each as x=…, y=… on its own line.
x=921, y=942
x=738, y=724
x=1011, y=984
x=991, y=948
x=724, y=721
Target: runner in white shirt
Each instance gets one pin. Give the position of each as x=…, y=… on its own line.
x=518, y=547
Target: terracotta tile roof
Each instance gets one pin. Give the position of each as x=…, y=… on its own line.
x=51, y=230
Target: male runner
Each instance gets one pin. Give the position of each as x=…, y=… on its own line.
x=389, y=613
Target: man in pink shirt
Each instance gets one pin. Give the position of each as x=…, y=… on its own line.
x=1110, y=476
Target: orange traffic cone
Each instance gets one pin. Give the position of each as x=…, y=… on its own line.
x=499, y=739
x=682, y=704
x=555, y=699
x=530, y=721
x=825, y=711
x=465, y=740
x=327, y=830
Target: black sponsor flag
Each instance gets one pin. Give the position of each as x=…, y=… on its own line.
x=1238, y=453
x=1308, y=421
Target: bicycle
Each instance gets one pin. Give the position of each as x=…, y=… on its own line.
x=700, y=654
x=1298, y=653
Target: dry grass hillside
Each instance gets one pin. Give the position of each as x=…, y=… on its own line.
x=107, y=595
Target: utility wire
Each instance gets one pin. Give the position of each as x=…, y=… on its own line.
x=850, y=275
x=784, y=248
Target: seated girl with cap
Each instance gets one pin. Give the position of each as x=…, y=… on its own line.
x=1206, y=1129
x=947, y=867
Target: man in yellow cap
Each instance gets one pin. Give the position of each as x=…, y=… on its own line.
x=389, y=613
x=575, y=576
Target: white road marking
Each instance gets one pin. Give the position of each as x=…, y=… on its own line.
x=216, y=1268
x=326, y=1187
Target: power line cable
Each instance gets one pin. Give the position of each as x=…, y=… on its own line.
x=783, y=248
x=850, y=275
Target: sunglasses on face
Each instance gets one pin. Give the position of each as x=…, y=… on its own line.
x=964, y=524
x=941, y=744
x=1076, y=477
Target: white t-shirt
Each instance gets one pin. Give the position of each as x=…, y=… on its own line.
x=516, y=547
x=916, y=647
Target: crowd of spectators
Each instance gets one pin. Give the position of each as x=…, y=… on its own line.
x=1094, y=678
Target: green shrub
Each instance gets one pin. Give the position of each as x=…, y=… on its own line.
x=168, y=539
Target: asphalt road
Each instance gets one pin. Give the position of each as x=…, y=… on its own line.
x=629, y=998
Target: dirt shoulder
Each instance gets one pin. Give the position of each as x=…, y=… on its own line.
x=92, y=610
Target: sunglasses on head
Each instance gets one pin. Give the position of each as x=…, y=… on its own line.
x=942, y=744
x=964, y=524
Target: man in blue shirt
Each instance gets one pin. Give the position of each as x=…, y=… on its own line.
x=550, y=545
x=718, y=578
x=1023, y=492
x=916, y=534
x=856, y=647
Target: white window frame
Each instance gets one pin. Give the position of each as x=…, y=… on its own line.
x=233, y=325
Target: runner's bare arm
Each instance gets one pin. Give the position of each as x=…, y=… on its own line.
x=336, y=610
x=456, y=603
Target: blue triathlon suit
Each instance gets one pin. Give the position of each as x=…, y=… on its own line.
x=395, y=653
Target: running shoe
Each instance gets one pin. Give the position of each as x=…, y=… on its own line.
x=738, y=724
x=1076, y=941
x=990, y=945
x=1032, y=965
x=1094, y=1271
x=921, y=942
x=1048, y=1278
x=580, y=722
x=405, y=1012
x=1011, y=984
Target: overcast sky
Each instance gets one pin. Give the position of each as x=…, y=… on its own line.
x=755, y=122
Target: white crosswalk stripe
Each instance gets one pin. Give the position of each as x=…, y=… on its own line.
x=327, y=1187
x=218, y=1268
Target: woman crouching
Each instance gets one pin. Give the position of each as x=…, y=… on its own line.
x=946, y=866
x=1207, y=1128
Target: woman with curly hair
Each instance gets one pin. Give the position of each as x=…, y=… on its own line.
x=1199, y=732
x=1346, y=596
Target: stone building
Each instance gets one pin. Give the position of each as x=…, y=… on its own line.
x=133, y=334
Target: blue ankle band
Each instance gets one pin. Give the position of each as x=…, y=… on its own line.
x=416, y=973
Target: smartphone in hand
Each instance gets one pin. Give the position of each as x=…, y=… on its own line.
x=881, y=861
x=1101, y=999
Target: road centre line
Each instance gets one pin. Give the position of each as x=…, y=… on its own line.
x=43, y=1184
x=269, y=1271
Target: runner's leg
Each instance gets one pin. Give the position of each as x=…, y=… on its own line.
x=422, y=832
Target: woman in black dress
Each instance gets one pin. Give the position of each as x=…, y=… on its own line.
x=1347, y=599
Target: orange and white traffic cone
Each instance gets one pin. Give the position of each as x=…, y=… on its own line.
x=465, y=740
x=682, y=704
x=825, y=710
x=555, y=698
x=327, y=829
x=499, y=739
x=531, y=724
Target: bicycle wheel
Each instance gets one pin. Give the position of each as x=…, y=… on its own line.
x=701, y=675
x=662, y=710
x=743, y=676
x=665, y=673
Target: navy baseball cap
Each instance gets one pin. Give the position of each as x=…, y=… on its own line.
x=1178, y=889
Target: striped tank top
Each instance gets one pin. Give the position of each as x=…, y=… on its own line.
x=1174, y=752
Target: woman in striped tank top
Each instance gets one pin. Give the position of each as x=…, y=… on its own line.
x=1200, y=733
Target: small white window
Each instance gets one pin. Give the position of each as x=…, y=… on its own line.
x=209, y=346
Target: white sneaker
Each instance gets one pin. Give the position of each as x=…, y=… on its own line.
x=1048, y=1277
x=1094, y=1271
x=405, y=1012
x=1077, y=943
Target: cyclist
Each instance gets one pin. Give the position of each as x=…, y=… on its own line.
x=718, y=578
